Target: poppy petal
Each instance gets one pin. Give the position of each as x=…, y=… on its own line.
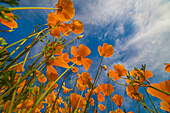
x=51, y=73
x=86, y=63
x=84, y=50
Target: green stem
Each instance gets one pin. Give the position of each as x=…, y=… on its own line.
x=151, y=100
x=160, y=90
x=40, y=99
x=98, y=71
x=111, y=102
x=80, y=99
x=138, y=106
x=23, y=8
x=93, y=84
x=106, y=104
x=135, y=105
x=59, y=92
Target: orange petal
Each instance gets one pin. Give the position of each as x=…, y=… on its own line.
x=148, y=74
x=109, y=51
x=113, y=74
x=51, y=73
x=66, y=57
x=11, y=24
x=100, y=51
x=167, y=68
x=74, y=51
x=118, y=68
x=84, y=50
x=101, y=107
x=92, y=101
x=100, y=97
x=65, y=28
x=118, y=99
x=77, y=26
x=58, y=61
x=165, y=106
x=74, y=69
x=86, y=63
x=56, y=32
x=42, y=79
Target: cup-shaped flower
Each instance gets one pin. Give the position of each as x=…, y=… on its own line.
x=100, y=97
x=118, y=99
x=65, y=10
x=74, y=69
x=84, y=79
x=9, y=23
x=106, y=50
x=77, y=26
x=106, y=89
x=79, y=55
x=119, y=71
x=74, y=98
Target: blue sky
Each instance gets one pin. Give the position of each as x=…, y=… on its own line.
x=137, y=29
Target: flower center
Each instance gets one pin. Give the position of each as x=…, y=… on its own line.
x=78, y=58
x=59, y=8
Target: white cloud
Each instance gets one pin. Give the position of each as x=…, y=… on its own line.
x=149, y=42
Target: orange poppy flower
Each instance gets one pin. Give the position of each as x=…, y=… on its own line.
x=11, y=24
x=165, y=106
x=77, y=26
x=167, y=68
x=74, y=98
x=100, y=97
x=53, y=20
x=119, y=71
x=106, y=50
x=101, y=107
x=79, y=55
x=147, y=74
x=164, y=85
x=74, y=69
x=106, y=89
x=118, y=99
x=132, y=91
x=84, y=79
x=65, y=10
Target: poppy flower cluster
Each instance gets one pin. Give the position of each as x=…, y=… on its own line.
x=55, y=81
